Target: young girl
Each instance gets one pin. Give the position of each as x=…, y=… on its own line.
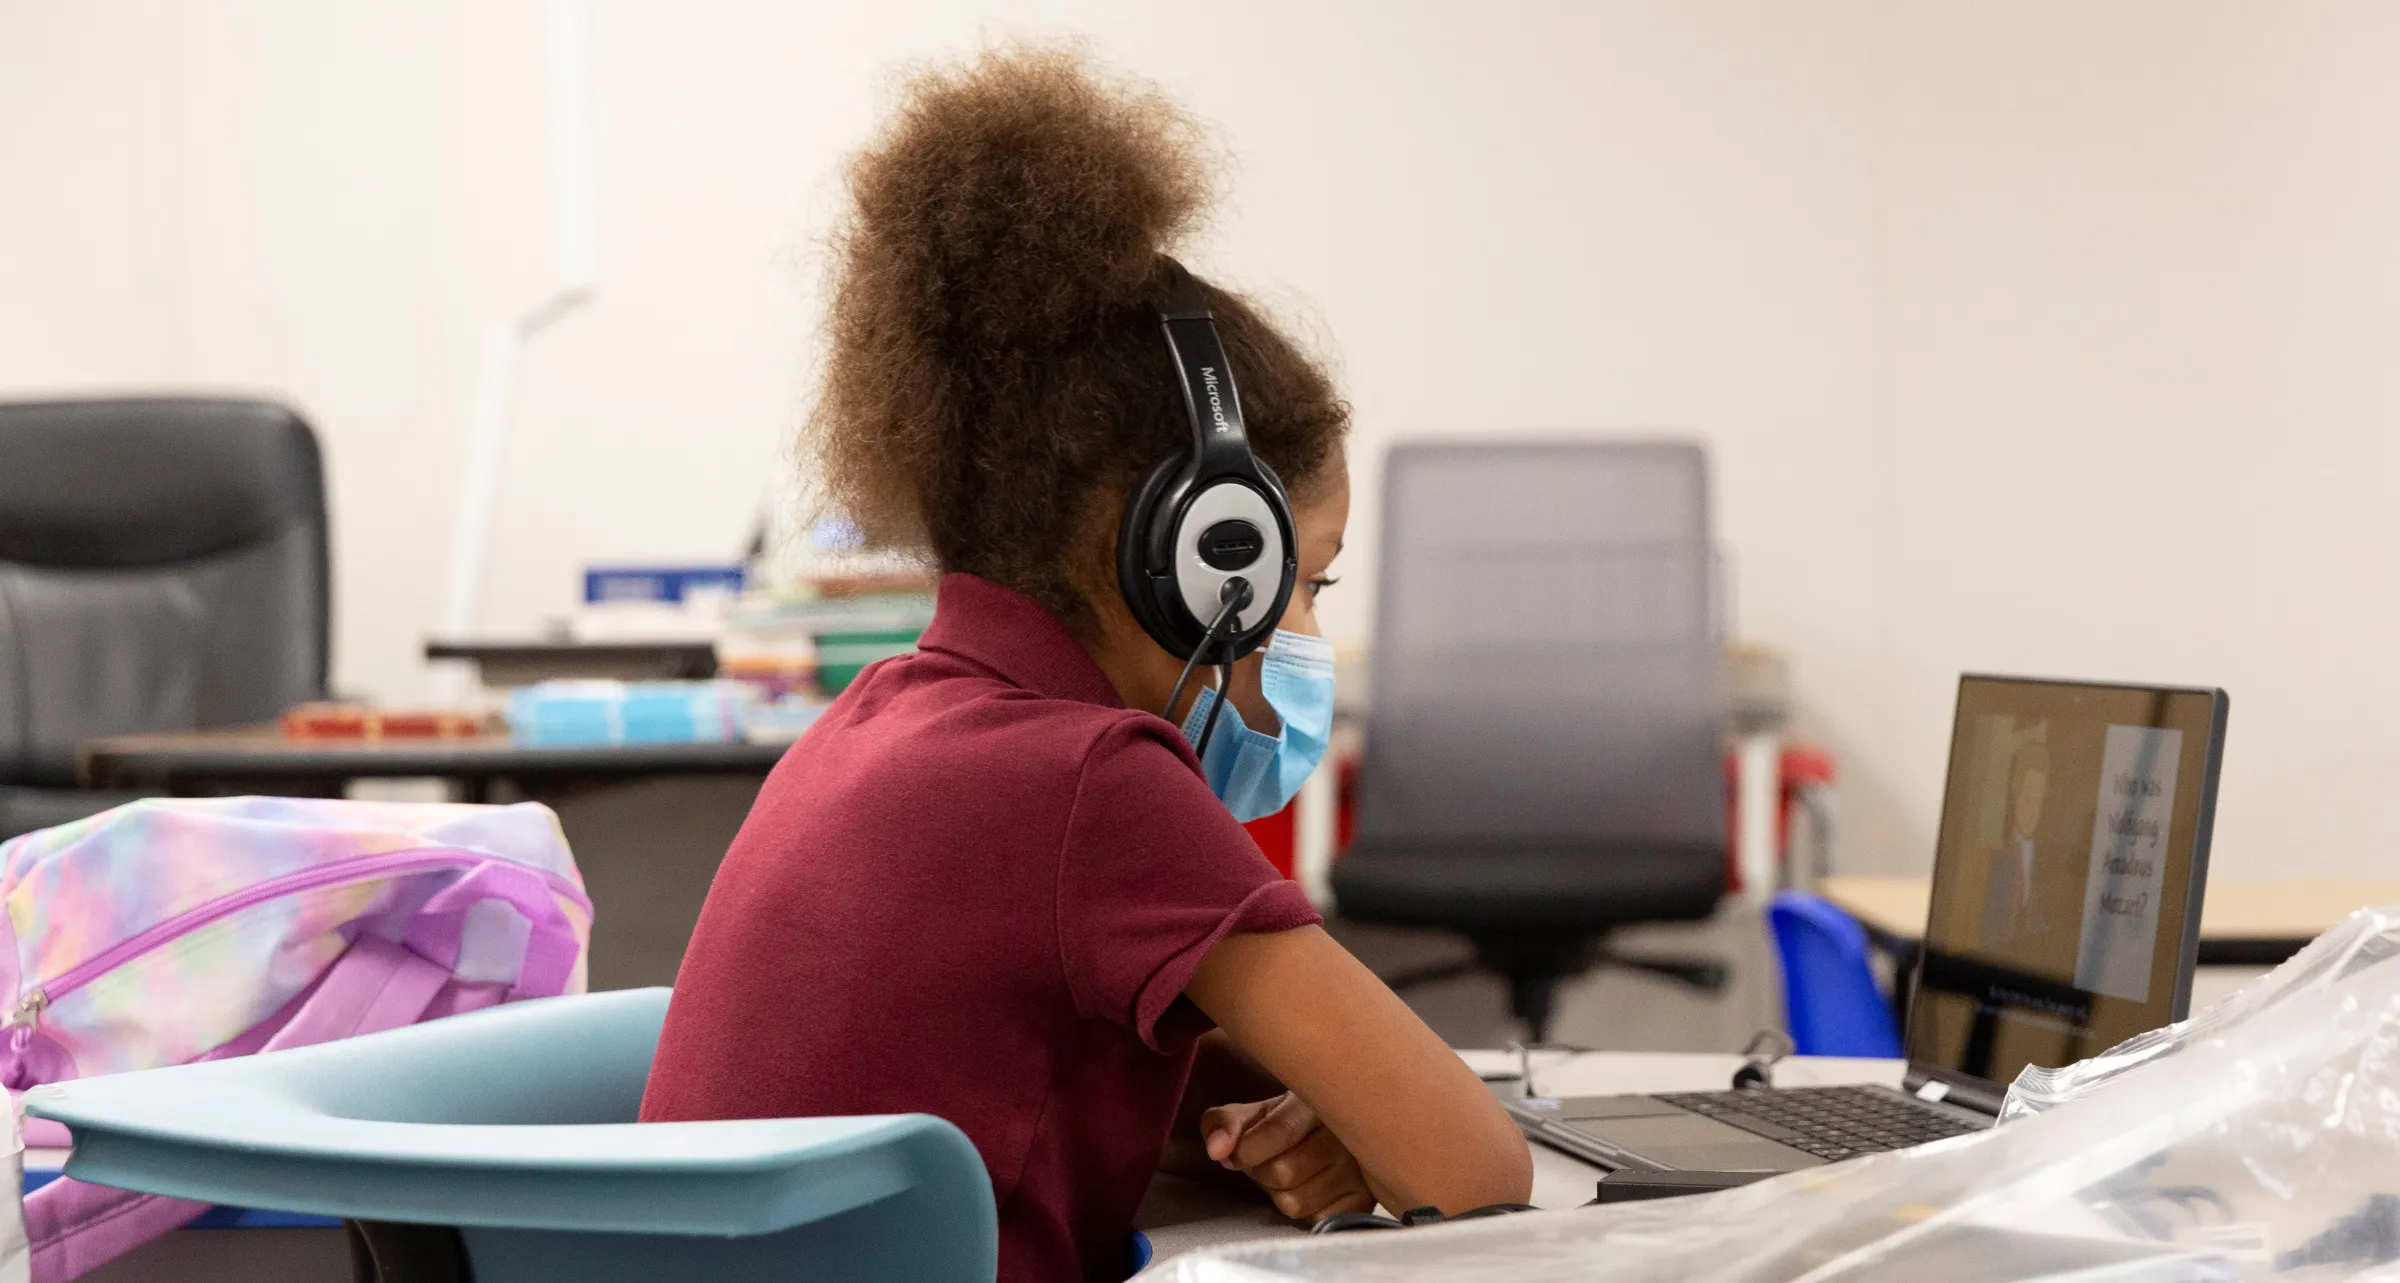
x=994, y=883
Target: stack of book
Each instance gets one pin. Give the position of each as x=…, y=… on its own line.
x=574, y=713
x=832, y=626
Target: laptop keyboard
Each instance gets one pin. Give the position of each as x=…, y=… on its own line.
x=1832, y=1123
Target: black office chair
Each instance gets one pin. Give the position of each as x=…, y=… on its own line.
x=1544, y=759
x=163, y=567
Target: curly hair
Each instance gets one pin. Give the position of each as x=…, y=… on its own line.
x=996, y=381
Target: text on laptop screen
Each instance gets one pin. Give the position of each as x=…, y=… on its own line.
x=2064, y=879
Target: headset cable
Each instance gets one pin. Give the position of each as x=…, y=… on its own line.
x=1236, y=594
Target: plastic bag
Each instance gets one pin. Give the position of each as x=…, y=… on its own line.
x=2259, y=1140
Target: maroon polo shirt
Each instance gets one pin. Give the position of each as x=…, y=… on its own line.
x=976, y=889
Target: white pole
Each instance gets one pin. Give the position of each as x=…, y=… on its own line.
x=1758, y=762
x=577, y=248
x=1314, y=826
x=479, y=483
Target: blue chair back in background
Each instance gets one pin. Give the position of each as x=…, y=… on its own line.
x=1830, y=999
x=516, y=1126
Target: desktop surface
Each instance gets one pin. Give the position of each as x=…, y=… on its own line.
x=265, y=751
x=1181, y=1215
x=2241, y=923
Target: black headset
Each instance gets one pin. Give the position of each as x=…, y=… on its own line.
x=1205, y=556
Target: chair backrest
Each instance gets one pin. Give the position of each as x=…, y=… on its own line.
x=163, y=566
x=1545, y=657
x=1830, y=1000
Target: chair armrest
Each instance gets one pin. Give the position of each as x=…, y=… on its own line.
x=730, y=1179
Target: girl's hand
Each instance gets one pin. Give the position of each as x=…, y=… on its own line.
x=1282, y=1146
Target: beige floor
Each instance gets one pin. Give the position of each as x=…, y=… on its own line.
x=1612, y=1009
x=234, y=1256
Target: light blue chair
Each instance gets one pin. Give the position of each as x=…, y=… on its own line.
x=515, y=1125
x=1830, y=1001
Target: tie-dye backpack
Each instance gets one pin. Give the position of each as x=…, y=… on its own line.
x=173, y=930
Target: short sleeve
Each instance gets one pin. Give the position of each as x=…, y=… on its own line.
x=1154, y=872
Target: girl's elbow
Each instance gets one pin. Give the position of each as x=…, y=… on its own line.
x=1501, y=1172
x=1511, y=1161
x=1512, y=1169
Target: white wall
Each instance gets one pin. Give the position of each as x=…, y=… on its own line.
x=254, y=198
x=1971, y=301
x=2139, y=287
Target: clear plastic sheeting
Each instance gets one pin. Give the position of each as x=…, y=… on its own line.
x=2258, y=1140
x=2361, y=941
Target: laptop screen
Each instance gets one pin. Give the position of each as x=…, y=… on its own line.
x=2068, y=872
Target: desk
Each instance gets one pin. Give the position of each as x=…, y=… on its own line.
x=522, y=663
x=1181, y=1215
x=262, y=759
x=2242, y=924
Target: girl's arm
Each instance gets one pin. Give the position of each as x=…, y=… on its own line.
x=1424, y=1129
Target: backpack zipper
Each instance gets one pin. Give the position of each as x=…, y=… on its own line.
x=363, y=868
x=28, y=1009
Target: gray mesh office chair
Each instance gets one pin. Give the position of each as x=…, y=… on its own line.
x=162, y=567
x=1543, y=754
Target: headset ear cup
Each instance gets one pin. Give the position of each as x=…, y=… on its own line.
x=1279, y=594
x=1145, y=579
x=1146, y=575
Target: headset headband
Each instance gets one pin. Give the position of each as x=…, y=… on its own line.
x=1219, y=440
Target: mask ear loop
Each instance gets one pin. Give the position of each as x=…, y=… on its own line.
x=1209, y=727
x=1237, y=595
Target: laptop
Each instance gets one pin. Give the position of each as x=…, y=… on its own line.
x=2065, y=918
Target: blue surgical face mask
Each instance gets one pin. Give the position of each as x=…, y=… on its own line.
x=1257, y=775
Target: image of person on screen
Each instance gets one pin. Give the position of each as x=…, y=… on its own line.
x=2012, y=907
